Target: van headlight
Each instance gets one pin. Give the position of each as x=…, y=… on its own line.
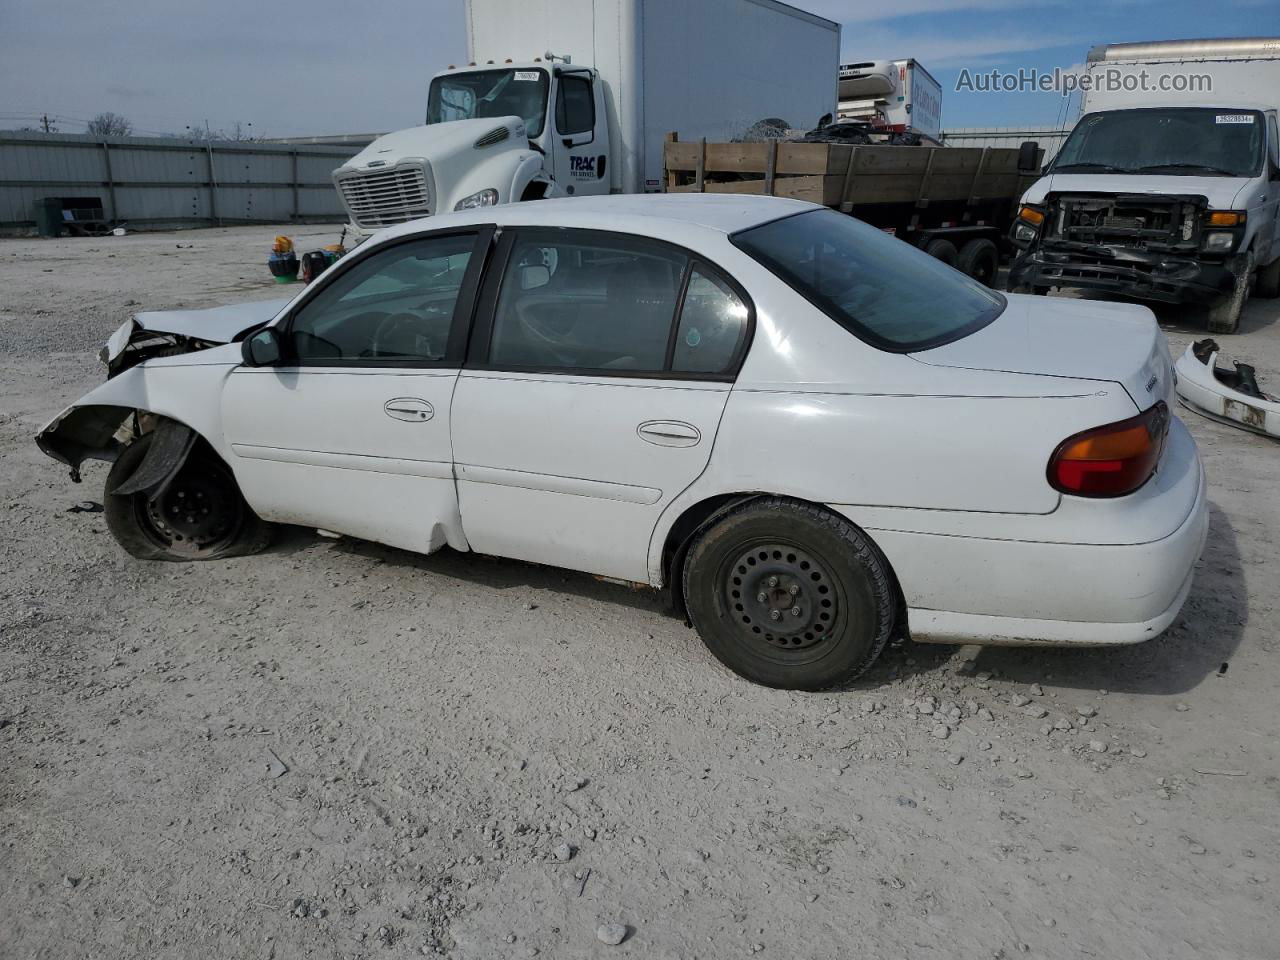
x=1024, y=232
x=485, y=198
x=1219, y=241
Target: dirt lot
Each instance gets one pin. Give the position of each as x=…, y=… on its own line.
x=339, y=749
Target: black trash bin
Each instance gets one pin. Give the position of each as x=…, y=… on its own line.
x=49, y=216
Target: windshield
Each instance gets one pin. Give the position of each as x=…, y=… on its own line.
x=490, y=93
x=882, y=290
x=1181, y=141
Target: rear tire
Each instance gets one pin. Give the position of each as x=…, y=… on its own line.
x=979, y=259
x=220, y=524
x=1224, y=317
x=943, y=250
x=829, y=602
x=1268, y=283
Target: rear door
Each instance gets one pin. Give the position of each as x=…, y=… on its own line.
x=598, y=373
x=351, y=432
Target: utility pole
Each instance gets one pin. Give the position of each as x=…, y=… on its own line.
x=45, y=121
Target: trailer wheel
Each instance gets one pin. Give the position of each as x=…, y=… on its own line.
x=943, y=250
x=979, y=259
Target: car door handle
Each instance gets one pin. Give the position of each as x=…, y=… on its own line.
x=669, y=433
x=409, y=408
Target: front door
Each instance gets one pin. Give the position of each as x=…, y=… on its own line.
x=599, y=369
x=351, y=432
x=581, y=135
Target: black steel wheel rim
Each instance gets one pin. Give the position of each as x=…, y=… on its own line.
x=782, y=599
x=198, y=513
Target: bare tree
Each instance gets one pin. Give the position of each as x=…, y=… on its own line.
x=237, y=131
x=110, y=125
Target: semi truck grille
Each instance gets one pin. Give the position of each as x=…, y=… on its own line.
x=383, y=198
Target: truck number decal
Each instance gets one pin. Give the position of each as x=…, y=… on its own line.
x=525, y=75
x=1233, y=118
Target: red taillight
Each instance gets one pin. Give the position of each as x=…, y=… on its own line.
x=1113, y=460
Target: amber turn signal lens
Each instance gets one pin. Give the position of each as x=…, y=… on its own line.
x=1031, y=215
x=1113, y=460
x=1226, y=218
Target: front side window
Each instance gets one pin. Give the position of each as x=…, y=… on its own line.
x=882, y=290
x=594, y=302
x=575, y=106
x=490, y=94
x=1172, y=141
x=395, y=305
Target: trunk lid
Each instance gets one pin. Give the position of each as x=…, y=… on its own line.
x=1076, y=339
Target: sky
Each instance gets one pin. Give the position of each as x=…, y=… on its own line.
x=336, y=66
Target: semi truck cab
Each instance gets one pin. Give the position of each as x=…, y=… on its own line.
x=494, y=133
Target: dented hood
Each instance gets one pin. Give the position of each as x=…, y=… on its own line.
x=212, y=324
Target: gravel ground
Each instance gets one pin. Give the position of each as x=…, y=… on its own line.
x=340, y=749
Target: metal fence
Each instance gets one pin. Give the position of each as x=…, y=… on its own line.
x=1049, y=138
x=160, y=183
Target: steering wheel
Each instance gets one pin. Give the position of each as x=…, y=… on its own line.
x=392, y=329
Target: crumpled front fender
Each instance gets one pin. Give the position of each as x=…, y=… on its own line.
x=185, y=388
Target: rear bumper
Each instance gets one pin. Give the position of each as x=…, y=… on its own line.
x=1135, y=273
x=970, y=589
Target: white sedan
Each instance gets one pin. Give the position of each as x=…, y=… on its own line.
x=812, y=435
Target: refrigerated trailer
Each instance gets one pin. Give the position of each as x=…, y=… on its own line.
x=895, y=96
x=573, y=98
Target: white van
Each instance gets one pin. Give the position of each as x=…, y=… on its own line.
x=1168, y=188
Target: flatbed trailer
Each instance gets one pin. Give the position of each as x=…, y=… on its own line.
x=956, y=203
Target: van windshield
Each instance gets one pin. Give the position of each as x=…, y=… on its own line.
x=490, y=93
x=1173, y=141
x=881, y=290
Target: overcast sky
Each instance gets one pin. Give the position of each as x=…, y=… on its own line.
x=340, y=66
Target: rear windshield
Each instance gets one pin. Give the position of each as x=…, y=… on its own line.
x=882, y=290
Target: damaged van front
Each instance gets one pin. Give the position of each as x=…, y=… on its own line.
x=1172, y=204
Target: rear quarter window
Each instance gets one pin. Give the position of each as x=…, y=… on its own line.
x=882, y=290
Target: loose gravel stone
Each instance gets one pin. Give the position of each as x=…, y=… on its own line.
x=942, y=731
x=1087, y=711
x=1097, y=746
x=1018, y=700
x=611, y=934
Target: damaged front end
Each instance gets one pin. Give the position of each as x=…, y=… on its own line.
x=140, y=397
x=1151, y=246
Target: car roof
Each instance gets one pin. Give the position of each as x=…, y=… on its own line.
x=625, y=213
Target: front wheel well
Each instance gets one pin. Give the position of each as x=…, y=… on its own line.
x=702, y=514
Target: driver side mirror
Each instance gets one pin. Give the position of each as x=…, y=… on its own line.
x=263, y=349
x=1029, y=157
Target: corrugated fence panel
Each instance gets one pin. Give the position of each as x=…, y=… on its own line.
x=1049, y=138
x=146, y=181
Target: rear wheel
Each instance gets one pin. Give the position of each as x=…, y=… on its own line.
x=943, y=250
x=979, y=259
x=1224, y=317
x=200, y=514
x=788, y=595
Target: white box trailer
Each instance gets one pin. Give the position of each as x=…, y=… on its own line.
x=575, y=97
x=708, y=68
x=896, y=96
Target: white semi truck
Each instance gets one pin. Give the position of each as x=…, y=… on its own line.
x=897, y=97
x=1168, y=187
x=575, y=97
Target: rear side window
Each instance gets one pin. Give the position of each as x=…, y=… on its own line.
x=575, y=107
x=592, y=301
x=882, y=290
x=604, y=304
x=713, y=324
